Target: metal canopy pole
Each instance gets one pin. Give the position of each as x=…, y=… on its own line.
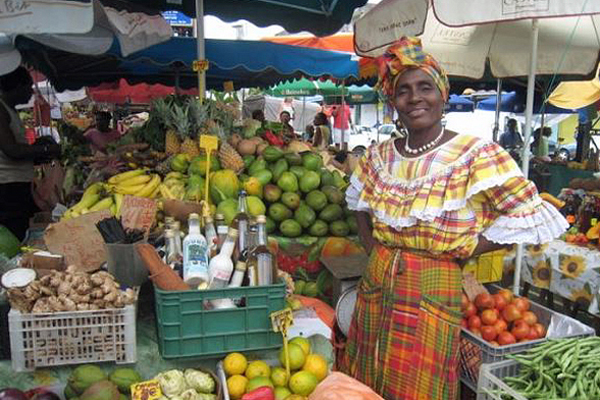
x=535, y=30
x=201, y=66
x=497, y=115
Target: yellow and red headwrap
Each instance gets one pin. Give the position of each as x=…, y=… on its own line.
x=405, y=54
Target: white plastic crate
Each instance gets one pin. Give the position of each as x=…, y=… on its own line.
x=490, y=385
x=77, y=337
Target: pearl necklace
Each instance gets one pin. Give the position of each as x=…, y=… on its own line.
x=425, y=147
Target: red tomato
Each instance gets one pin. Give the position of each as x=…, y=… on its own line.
x=530, y=318
x=500, y=301
x=470, y=310
x=507, y=294
x=532, y=334
x=494, y=343
x=464, y=302
x=484, y=301
x=520, y=329
x=488, y=333
x=521, y=303
x=488, y=317
x=463, y=323
x=474, y=322
x=498, y=312
x=505, y=338
x=540, y=330
x=475, y=331
x=511, y=313
x=500, y=326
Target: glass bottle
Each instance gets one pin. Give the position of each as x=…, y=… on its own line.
x=173, y=256
x=240, y=222
x=222, y=229
x=211, y=235
x=176, y=227
x=221, y=269
x=262, y=256
x=195, y=254
x=239, y=272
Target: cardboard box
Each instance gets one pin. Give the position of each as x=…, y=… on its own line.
x=346, y=271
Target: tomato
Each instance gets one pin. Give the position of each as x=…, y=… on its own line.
x=464, y=323
x=521, y=303
x=474, y=322
x=511, y=313
x=530, y=318
x=532, y=334
x=475, y=331
x=539, y=329
x=500, y=326
x=507, y=294
x=488, y=317
x=520, y=329
x=500, y=301
x=497, y=312
x=464, y=302
x=488, y=333
x=505, y=338
x=484, y=301
x=470, y=310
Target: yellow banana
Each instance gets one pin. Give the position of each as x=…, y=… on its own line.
x=175, y=175
x=103, y=204
x=86, y=202
x=171, y=182
x=166, y=192
x=136, y=180
x=118, y=203
x=85, y=211
x=75, y=214
x=113, y=209
x=125, y=175
x=129, y=189
x=94, y=188
x=149, y=188
x=155, y=193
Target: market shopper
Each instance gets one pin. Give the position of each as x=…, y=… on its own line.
x=540, y=145
x=511, y=138
x=102, y=134
x=288, y=130
x=17, y=155
x=320, y=139
x=426, y=201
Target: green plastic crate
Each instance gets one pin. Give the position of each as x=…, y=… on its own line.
x=186, y=329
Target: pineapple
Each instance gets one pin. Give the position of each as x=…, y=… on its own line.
x=230, y=158
x=163, y=112
x=182, y=124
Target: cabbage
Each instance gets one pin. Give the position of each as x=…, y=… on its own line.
x=201, y=381
x=250, y=127
x=189, y=394
x=172, y=383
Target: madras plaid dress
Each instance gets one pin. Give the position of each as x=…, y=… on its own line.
x=427, y=212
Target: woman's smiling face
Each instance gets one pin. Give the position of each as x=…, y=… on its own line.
x=418, y=100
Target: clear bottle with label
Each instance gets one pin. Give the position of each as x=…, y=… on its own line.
x=241, y=222
x=195, y=255
x=239, y=272
x=176, y=227
x=173, y=257
x=211, y=235
x=261, y=260
x=222, y=229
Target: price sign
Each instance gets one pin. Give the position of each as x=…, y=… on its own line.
x=200, y=65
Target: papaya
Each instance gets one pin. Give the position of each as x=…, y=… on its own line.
x=85, y=376
x=102, y=390
x=293, y=158
x=124, y=378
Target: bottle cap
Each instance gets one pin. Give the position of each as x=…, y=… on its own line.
x=169, y=233
x=219, y=216
x=242, y=192
x=232, y=232
x=208, y=219
x=261, y=219
x=194, y=216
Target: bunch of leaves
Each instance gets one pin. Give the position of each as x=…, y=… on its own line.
x=152, y=132
x=73, y=143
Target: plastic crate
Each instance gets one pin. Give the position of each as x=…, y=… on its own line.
x=491, y=386
x=60, y=338
x=487, y=267
x=475, y=351
x=187, y=329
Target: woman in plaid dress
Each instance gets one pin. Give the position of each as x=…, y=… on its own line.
x=425, y=201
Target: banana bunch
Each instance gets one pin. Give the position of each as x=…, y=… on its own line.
x=173, y=187
x=135, y=183
x=95, y=199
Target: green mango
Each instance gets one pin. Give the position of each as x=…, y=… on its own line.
x=290, y=228
x=339, y=228
x=338, y=180
x=316, y=200
x=288, y=182
x=264, y=176
x=293, y=158
x=257, y=165
x=312, y=161
x=248, y=160
x=309, y=181
x=319, y=228
x=180, y=162
x=352, y=224
x=299, y=171
x=271, y=193
x=291, y=200
x=305, y=216
x=272, y=153
x=278, y=212
x=334, y=195
x=279, y=168
x=327, y=178
x=331, y=213
x=270, y=225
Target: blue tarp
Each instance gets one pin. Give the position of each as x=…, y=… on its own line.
x=458, y=103
x=513, y=103
x=246, y=63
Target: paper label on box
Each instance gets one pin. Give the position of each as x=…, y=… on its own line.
x=147, y=390
x=78, y=240
x=138, y=213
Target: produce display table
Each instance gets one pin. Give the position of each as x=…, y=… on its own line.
x=571, y=271
x=560, y=176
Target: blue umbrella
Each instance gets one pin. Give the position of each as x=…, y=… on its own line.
x=513, y=103
x=458, y=103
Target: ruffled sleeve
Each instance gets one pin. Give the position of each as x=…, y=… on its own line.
x=523, y=216
x=359, y=180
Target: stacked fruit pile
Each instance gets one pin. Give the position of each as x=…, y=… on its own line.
x=501, y=319
x=91, y=382
x=257, y=380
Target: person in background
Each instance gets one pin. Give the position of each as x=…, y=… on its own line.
x=511, y=137
x=258, y=115
x=102, y=134
x=540, y=147
x=17, y=156
x=288, y=130
x=425, y=203
x=322, y=133
x=342, y=123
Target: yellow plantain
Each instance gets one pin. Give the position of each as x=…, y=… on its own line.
x=166, y=192
x=85, y=202
x=155, y=193
x=149, y=188
x=113, y=209
x=129, y=189
x=125, y=175
x=136, y=180
x=175, y=175
x=172, y=182
x=103, y=204
x=118, y=203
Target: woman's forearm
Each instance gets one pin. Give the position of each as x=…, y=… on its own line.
x=485, y=246
x=365, y=230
